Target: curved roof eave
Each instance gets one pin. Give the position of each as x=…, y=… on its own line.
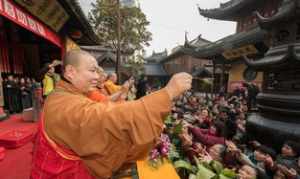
x=227, y=11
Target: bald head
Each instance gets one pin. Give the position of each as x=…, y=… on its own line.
x=75, y=58
x=112, y=77
x=81, y=69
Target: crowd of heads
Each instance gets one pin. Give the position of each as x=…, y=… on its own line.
x=214, y=128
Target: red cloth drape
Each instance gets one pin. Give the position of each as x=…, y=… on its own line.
x=18, y=59
x=4, y=59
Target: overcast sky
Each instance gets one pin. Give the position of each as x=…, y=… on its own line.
x=169, y=19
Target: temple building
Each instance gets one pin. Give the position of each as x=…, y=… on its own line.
x=249, y=39
x=279, y=101
x=264, y=50
x=36, y=32
x=154, y=68
x=182, y=59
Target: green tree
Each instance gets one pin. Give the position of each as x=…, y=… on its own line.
x=135, y=63
x=134, y=33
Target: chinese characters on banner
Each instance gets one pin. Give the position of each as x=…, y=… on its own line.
x=49, y=12
x=9, y=10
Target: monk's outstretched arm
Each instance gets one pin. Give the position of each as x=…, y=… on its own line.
x=89, y=127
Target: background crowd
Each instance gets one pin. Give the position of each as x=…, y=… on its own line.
x=208, y=138
x=19, y=93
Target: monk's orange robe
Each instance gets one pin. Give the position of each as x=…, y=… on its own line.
x=105, y=136
x=96, y=95
x=111, y=87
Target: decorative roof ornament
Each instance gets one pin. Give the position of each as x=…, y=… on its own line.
x=230, y=10
x=186, y=40
x=287, y=11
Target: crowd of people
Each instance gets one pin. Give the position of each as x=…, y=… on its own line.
x=214, y=129
x=19, y=93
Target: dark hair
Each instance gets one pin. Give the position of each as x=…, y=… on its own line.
x=294, y=145
x=219, y=129
x=267, y=150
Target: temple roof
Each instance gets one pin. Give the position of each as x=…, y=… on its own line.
x=181, y=50
x=276, y=57
x=213, y=49
x=187, y=49
x=286, y=12
x=101, y=49
x=154, y=70
x=107, y=55
x=231, y=10
x=156, y=57
x=80, y=21
x=197, y=42
x=231, y=42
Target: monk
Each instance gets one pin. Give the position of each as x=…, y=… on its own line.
x=110, y=84
x=80, y=138
x=98, y=95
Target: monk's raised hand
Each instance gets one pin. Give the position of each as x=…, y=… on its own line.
x=178, y=84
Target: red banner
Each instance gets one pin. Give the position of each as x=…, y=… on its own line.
x=11, y=11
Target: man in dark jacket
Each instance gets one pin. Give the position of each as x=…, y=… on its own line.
x=142, y=87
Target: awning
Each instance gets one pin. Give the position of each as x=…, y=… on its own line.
x=231, y=42
x=11, y=11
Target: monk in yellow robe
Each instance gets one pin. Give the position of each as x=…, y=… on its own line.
x=110, y=84
x=80, y=138
x=98, y=95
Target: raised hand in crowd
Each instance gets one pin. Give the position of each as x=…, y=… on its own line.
x=55, y=63
x=289, y=172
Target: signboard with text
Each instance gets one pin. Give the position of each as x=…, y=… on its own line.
x=11, y=11
x=239, y=52
x=49, y=12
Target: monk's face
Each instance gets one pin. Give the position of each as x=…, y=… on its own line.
x=84, y=75
x=114, y=78
x=102, y=78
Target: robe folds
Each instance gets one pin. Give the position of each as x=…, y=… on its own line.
x=105, y=136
